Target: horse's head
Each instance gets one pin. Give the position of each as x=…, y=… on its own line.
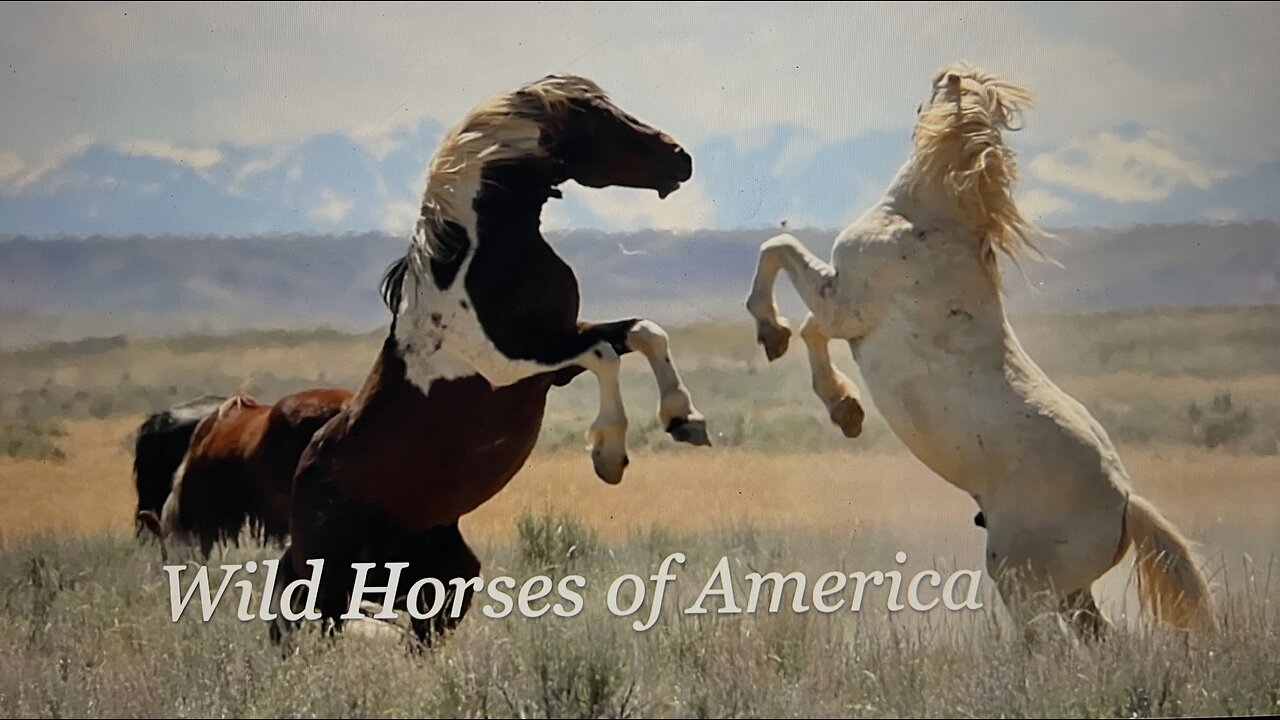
x=965, y=89
x=597, y=144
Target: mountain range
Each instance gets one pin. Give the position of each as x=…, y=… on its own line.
x=67, y=288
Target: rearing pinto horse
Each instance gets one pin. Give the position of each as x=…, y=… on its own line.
x=485, y=323
x=914, y=288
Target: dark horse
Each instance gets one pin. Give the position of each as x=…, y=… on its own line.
x=486, y=322
x=238, y=468
x=162, y=441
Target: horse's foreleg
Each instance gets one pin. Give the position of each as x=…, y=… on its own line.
x=675, y=406
x=281, y=629
x=676, y=412
x=812, y=278
x=608, y=434
x=833, y=387
x=592, y=348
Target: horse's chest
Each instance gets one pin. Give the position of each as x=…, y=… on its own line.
x=932, y=405
x=488, y=325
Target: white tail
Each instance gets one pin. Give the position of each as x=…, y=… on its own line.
x=1170, y=583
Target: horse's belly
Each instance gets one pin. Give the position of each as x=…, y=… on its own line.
x=462, y=442
x=939, y=411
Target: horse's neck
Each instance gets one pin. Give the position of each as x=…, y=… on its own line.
x=924, y=201
x=960, y=301
x=498, y=206
x=508, y=206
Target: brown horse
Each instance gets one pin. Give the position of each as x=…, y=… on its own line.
x=486, y=322
x=238, y=468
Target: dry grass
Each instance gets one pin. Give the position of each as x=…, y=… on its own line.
x=682, y=491
x=89, y=492
x=83, y=605
x=1226, y=502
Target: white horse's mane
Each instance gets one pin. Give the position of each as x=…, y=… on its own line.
x=960, y=153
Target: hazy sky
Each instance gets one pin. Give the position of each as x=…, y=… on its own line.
x=1136, y=102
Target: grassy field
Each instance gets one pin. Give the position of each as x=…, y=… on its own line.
x=84, y=626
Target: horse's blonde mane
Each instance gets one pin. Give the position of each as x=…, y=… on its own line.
x=960, y=151
x=235, y=404
x=506, y=127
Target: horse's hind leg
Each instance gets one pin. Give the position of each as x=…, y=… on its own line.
x=812, y=278
x=833, y=387
x=445, y=556
x=1082, y=610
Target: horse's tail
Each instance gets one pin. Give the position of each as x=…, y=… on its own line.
x=1170, y=583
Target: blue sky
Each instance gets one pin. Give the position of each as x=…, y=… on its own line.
x=238, y=118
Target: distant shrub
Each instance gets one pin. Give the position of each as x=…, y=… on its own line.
x=100, y=408
x=1222, y=424
x=28, y=440
x=550, y=542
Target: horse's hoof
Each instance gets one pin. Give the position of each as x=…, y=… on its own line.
x=848, y=414
x=284, y=636
x=773, y=338
x=691, y=430
x=609, y=466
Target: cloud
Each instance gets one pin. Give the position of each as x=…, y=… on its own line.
x=400, y=217
x=1039, y=203
x=258, y=165
x=1126, y=167
x=383, y=138
x=10, y=165
x=556, y=216
x=797, y=153
x=332, y=207
x=198, y=158
x=628, y=209
x=47, y=171
x=706, y=70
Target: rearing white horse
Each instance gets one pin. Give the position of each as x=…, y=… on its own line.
x=914, y=287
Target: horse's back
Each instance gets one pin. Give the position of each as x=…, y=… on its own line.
x=290, y=426
x=295, y=418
